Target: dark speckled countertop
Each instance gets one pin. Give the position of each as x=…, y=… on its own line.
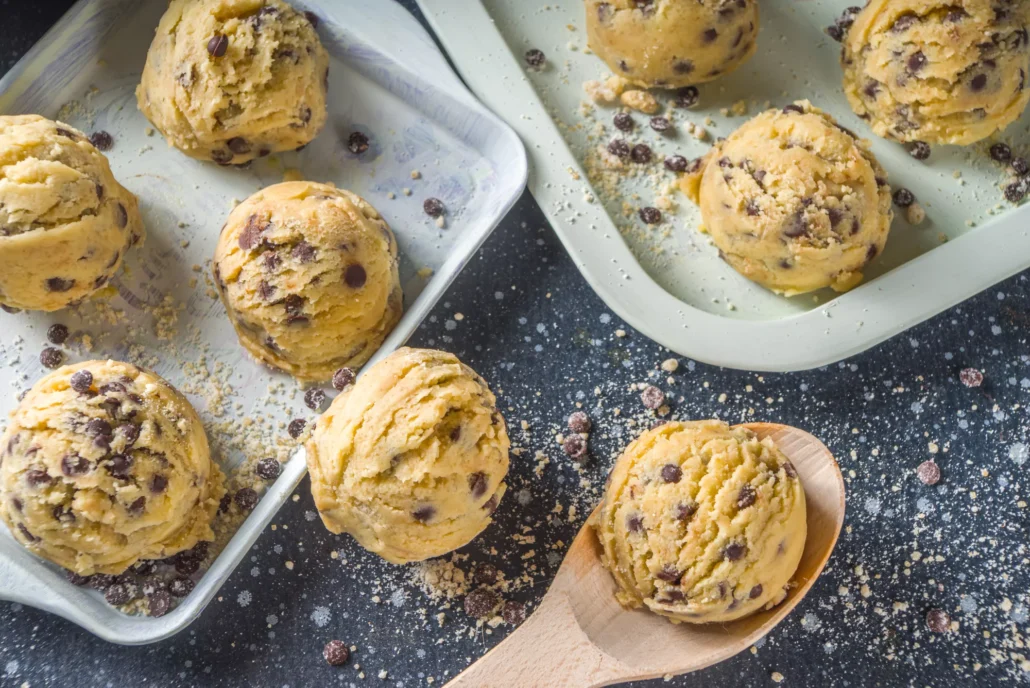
x=534, y=329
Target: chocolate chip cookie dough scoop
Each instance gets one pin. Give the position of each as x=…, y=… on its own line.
x=105, y=464
x=938, y=71
x=411, y=459
x=65, y=222
x=672, y=43
x=233, y=80
x=308, y=275
x=794, y=201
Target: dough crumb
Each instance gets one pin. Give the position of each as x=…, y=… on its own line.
x=915, y=214
x=641, y=101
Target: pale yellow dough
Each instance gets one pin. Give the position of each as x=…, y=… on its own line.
x=308, y=275
x=938, y=71
x=97, y=480
x=266, y=93
x=702, y=523
x=65, y=222
x=793, y=201
x=411, y=460
x=672, y=43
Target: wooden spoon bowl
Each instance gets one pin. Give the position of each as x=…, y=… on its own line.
x=580, y=636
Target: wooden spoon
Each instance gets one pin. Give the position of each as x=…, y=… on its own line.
x=580, y=636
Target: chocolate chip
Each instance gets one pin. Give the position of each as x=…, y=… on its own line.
x=57, y=334
x=238, y=145
x=296, y=427
x=433, y=207
x=480, y=603
x=787, y=109
x=1000, y=152
x=660, y=124
x=269, y=468
x=74, y=465
x=354, y=276
x=920, y=150
x=252, y=231
x=357, y=143
x=651, y=216
x=181, y=586
x=640, y=153
x=59, y=284
x=51, y=357
x=575, y=446
x=676, y=163
x=709, y=35
x=1017, y=191
x=137, y=506
x=669, y=574
x=535, y=58
x=789, y=469
x=687, y=97
x=734, y=551
x=746, y=497
x=246, y=498
x=221, y=156
x=144, y=567
x=618, y=148
x=119, y=466
x=755, y=592
x=978, y=83
x=158, y=484
x=938, y=621
x=217, y=46
x=485, y=574
x=669, y=596
x=314, y=398
x=652, y=397
x=513, y=613
x=304, y=252
x=903, y=198
x=917, y=61
x=903, y=23
x=579, y=422
x=76, y=579
x=98, y=427
x=343, y=378
x=478, y=484
x=929, y=473
x=635, y=523
x=623, y=121
x=35, y=477
x=491, y=504
x=1020, y=166
x=159, y=603
x=336, y=653
x=423, y=513
x=130, y=433
x=224, y=503
x=683, y=67
x=971, y=377
x=67, y=134
x=101, y=140
x=671, y=473
x=119, y=594
x=312, y=18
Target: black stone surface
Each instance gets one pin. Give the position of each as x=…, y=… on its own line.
x=534, y=329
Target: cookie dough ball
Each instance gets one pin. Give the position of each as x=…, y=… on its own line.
x=105, y=464
x=411, y=459
x=233, y=80
x=65, y=223
x=702, y=522
x=793, y=201
x=939, y=71
x=308, y=275
x=672, y=43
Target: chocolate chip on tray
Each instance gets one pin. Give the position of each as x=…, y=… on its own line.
x=269, y=468
x=296, y=427
x=903, y=198
x=314, y=398
x=343, y=378
x=433, y=207
x=623, y=121
x=535, y=58
x=159, y=603
x=51, y=357
x=246, y=498
x=57, y=334
x=357, y=143
x=1001, y=152
x=101, y=140
x=919, y=150
x=640, y=153
x=651, y=216
x=676, y=163
x=618, y=148
x=687, y=97
x=661, y=124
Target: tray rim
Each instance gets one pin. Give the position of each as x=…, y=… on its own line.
x=42, y=586
x=845, y=326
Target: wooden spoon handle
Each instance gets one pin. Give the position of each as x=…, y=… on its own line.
x=549, y=650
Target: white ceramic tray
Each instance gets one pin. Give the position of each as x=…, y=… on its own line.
x=387, y=79
x=674, y=288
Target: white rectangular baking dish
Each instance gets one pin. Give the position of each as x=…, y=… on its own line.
x=674, y=288
x=389, y=80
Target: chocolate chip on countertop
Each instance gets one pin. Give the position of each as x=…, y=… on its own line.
x=575, y=446
x=929, y=473
x=651, y=216
x=343, y=378
x=51, y=357
x=314, y=398
x=101, y=140
x=513, y=613
x=938, y=621
x=687, y=97
x=579, y=422
x=296, y=427
x=246, y=498
x=535, y=58
x=971, y=377
x=269, y=468
x=217, y=45
x=357, y=143
x=336, y=653
x=485, y=574
x=652, y=397
x=57, y=334
x=480, y=603
x=920, y=150
x=903, y=198
x=433, y=207
x=623, y=121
